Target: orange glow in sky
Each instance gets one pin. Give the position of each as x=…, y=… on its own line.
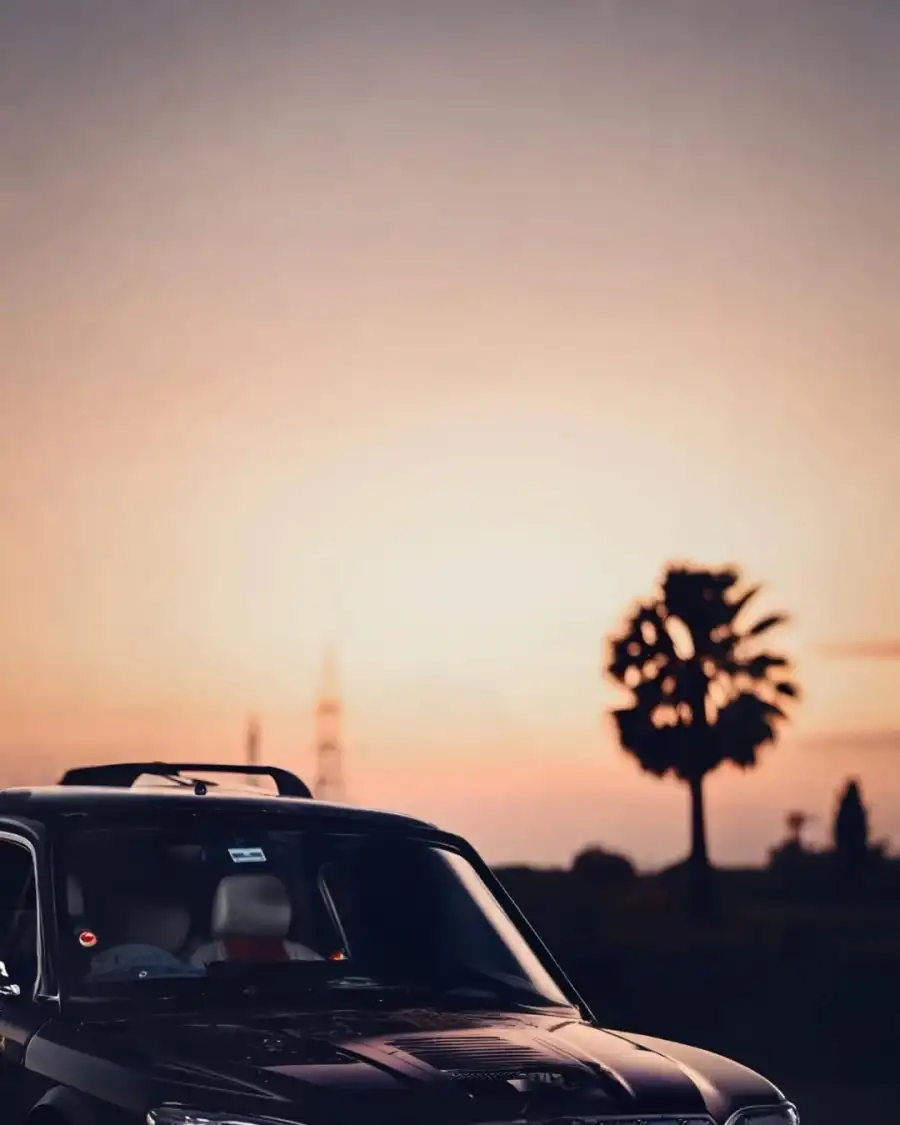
x=437, y=335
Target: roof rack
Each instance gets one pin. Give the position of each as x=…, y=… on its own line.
x=123, y=775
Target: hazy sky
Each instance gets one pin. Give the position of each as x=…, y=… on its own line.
x=437, y=329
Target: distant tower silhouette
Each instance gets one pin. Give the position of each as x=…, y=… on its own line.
x=252, y=746
x=329, y=784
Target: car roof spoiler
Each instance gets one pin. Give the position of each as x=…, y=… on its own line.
x=123, y=775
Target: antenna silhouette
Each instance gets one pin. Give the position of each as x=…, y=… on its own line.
x=329, y=784
x=252, y=746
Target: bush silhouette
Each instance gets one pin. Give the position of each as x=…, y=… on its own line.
x=599, y=869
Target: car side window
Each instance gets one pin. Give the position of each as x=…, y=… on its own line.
x=18, y=917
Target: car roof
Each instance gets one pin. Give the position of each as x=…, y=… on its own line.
x=50, y=802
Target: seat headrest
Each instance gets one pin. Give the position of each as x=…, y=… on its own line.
x=151, y=923
x=251, y=906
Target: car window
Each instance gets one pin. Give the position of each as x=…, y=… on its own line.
x=227, y=899
x=18, y=917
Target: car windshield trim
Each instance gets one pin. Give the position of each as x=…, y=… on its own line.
x=202, y=994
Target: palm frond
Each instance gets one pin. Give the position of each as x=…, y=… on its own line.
x=643, y=641
x=658, y=750
x=772, y=709
x=766, y=623
x=726, y=577
x=745, y=724
x=787, y=688
x=742, y=602
x=634, y=728
x=758, y=667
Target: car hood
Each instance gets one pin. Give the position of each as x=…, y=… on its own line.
x=454, y=1068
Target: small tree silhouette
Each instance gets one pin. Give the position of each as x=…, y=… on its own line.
x=851, y=835
x=796, y=821
x=702, y=692
x=790, y=856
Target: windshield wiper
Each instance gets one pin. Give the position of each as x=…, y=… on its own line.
x=323, y=977
x=321, y=982
x=409, y=993
x=370, y=984
x=467, y=988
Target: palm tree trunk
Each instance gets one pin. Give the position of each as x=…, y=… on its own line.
x=701, y=889
x=699, y=854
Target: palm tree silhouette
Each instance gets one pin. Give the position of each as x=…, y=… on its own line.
x=702, y=692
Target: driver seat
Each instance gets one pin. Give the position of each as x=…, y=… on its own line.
x=251, y=918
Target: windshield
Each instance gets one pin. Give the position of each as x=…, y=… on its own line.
x=306, y=913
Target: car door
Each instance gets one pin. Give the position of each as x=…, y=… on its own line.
x=20, y=1016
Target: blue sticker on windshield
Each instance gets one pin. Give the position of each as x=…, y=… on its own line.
x=247, y=855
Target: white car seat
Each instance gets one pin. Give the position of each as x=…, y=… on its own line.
x=251, y=918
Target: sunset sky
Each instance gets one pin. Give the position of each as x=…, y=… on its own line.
x=435, y=329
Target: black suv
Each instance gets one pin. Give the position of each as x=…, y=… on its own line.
x=177, y=954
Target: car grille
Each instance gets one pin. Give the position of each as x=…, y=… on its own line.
x=650, y=1119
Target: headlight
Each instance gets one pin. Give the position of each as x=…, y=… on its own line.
x=183, y=1115
x=785, y=1114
